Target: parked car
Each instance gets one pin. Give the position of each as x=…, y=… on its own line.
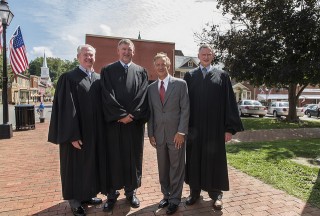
x=305, y=107
x=251, y=107
x=312, y=110
x=281, y=108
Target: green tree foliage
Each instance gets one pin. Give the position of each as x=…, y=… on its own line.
x=270, y=42
x=56, y=67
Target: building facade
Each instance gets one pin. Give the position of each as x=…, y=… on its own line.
x=145, y=50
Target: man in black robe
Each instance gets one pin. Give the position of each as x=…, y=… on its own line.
x=214, y=118
x=75, y=125
x=125, y=106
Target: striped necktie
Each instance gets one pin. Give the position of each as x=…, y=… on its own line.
x=204, y=72
x=125, y=68
x=89, y=73
x=162, y=92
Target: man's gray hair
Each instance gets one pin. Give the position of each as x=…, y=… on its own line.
x=205, y=45
x=126, y=41
x=88, y=46
x=162, y=55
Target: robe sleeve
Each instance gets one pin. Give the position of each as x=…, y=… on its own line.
x=64, y=123
x=112, y=109
x=233, y=122
x=140, y=105
x=150, y=124
x=185, y=109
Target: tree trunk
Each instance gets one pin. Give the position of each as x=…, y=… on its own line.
x=293, y=99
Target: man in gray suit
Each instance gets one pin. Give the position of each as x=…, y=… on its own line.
x=167, y=128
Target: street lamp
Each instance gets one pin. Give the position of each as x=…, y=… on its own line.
x=6, y=16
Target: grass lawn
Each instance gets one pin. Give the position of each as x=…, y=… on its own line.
x=271, y=162
x=268, y=123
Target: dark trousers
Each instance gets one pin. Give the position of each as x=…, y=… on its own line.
x=128, y=193
x=214, y=194
x=318, y=114
x=74, y=203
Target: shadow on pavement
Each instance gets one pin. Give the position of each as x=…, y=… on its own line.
x=314, y=196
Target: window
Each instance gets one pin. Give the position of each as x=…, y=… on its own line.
x=190, y=64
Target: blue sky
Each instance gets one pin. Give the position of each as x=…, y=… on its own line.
x=59, y=26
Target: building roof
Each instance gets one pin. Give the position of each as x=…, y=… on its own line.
x=178, y=53
x=132, y=39
x=181, y=60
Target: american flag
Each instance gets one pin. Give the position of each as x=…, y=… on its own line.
x=18, y=54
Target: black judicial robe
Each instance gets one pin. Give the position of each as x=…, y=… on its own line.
x=122, y=94
x=77, y=115
x=213, y=111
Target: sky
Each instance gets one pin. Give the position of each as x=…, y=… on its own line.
x=59, y=26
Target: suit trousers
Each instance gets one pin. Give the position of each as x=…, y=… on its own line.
x=171, y=167
x=214, y=194
x=128, y=192
x=74, y=203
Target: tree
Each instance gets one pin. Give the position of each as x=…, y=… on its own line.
x=271, y=42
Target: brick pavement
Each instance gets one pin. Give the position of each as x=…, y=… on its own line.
x=30, y=185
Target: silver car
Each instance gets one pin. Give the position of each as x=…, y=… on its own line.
x=251, y=107
x=281, y=108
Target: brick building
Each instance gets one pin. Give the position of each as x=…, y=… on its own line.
x=145, y=50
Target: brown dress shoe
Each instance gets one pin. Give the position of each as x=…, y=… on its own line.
x=218, y=204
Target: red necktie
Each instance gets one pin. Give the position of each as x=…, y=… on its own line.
x=162, y=92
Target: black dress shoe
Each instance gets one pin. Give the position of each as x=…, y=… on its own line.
x=191, y=200
x=134, y=201
x=108, y=206
x=163, y=203
x=93, y=201
x=172, y=208
x=78, y=211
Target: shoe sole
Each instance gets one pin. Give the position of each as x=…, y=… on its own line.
x=218, y=208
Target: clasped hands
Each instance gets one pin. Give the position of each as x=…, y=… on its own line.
x=127, y=119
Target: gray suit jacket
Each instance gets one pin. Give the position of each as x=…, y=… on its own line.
x=171, y=117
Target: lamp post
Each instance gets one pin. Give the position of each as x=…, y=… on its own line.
x=6, y=16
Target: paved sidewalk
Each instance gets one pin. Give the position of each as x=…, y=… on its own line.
x=30, y=185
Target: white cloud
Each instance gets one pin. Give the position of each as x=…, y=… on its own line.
x=105, y=30
x=39, y=51
x=74, y=40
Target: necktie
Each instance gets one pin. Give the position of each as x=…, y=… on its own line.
x=125, y=68
x=162, y=92
x=204, y=72
x=89, y=74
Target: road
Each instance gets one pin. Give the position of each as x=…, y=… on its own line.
x=12, y=118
